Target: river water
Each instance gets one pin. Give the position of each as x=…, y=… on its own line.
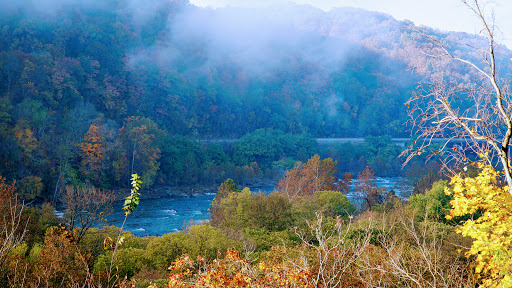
x=155, y=217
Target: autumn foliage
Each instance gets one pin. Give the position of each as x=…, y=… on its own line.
x=142, y=137
x=235, y=271
x=90, y=94
x=91, y=151
x=367, y=189
x=304, y=179
x=491, y=231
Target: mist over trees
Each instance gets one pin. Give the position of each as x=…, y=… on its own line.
x=91, y=91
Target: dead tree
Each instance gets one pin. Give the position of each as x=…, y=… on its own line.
x=413, y=254
x=86, y=206
x=335, y=251
x=12, y=224
x=471, y=114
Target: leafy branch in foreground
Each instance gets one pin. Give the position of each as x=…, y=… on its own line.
x=131, y=202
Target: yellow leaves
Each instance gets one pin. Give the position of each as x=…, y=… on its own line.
x=25, y=138
x=110, y=244
x=135, y=182
x=491, y=231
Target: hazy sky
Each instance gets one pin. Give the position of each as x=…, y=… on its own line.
x=449, y=15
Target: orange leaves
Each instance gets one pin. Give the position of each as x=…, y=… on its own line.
x=60, y=259
x=304, y=179
x=235, y=271
x=92, y=142
x=91, y=151
x=181, y=263
x=283, y=275
x=26, y=139
x=232, y=271
x=6, y=190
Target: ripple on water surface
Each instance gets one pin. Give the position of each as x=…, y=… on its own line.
x=156, y=217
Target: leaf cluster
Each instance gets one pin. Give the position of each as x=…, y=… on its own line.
x=132, y=201
x=490, y=230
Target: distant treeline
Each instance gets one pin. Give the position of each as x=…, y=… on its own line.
x=90, y=94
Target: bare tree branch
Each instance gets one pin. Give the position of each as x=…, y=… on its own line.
x=476, y=108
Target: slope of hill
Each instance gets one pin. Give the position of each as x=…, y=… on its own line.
x=92, y=90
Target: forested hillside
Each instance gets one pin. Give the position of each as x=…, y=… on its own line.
x=100, y=99
x=93, y=91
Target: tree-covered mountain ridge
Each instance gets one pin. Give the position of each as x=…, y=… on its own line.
x=96, y=90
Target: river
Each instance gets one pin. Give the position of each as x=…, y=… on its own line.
x=155, y=217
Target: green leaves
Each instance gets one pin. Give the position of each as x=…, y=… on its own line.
x=131, y=202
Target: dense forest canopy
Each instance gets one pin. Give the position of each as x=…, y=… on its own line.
x=104, y=98
x=91, y=91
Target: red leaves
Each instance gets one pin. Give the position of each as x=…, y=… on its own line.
x=304, y=179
